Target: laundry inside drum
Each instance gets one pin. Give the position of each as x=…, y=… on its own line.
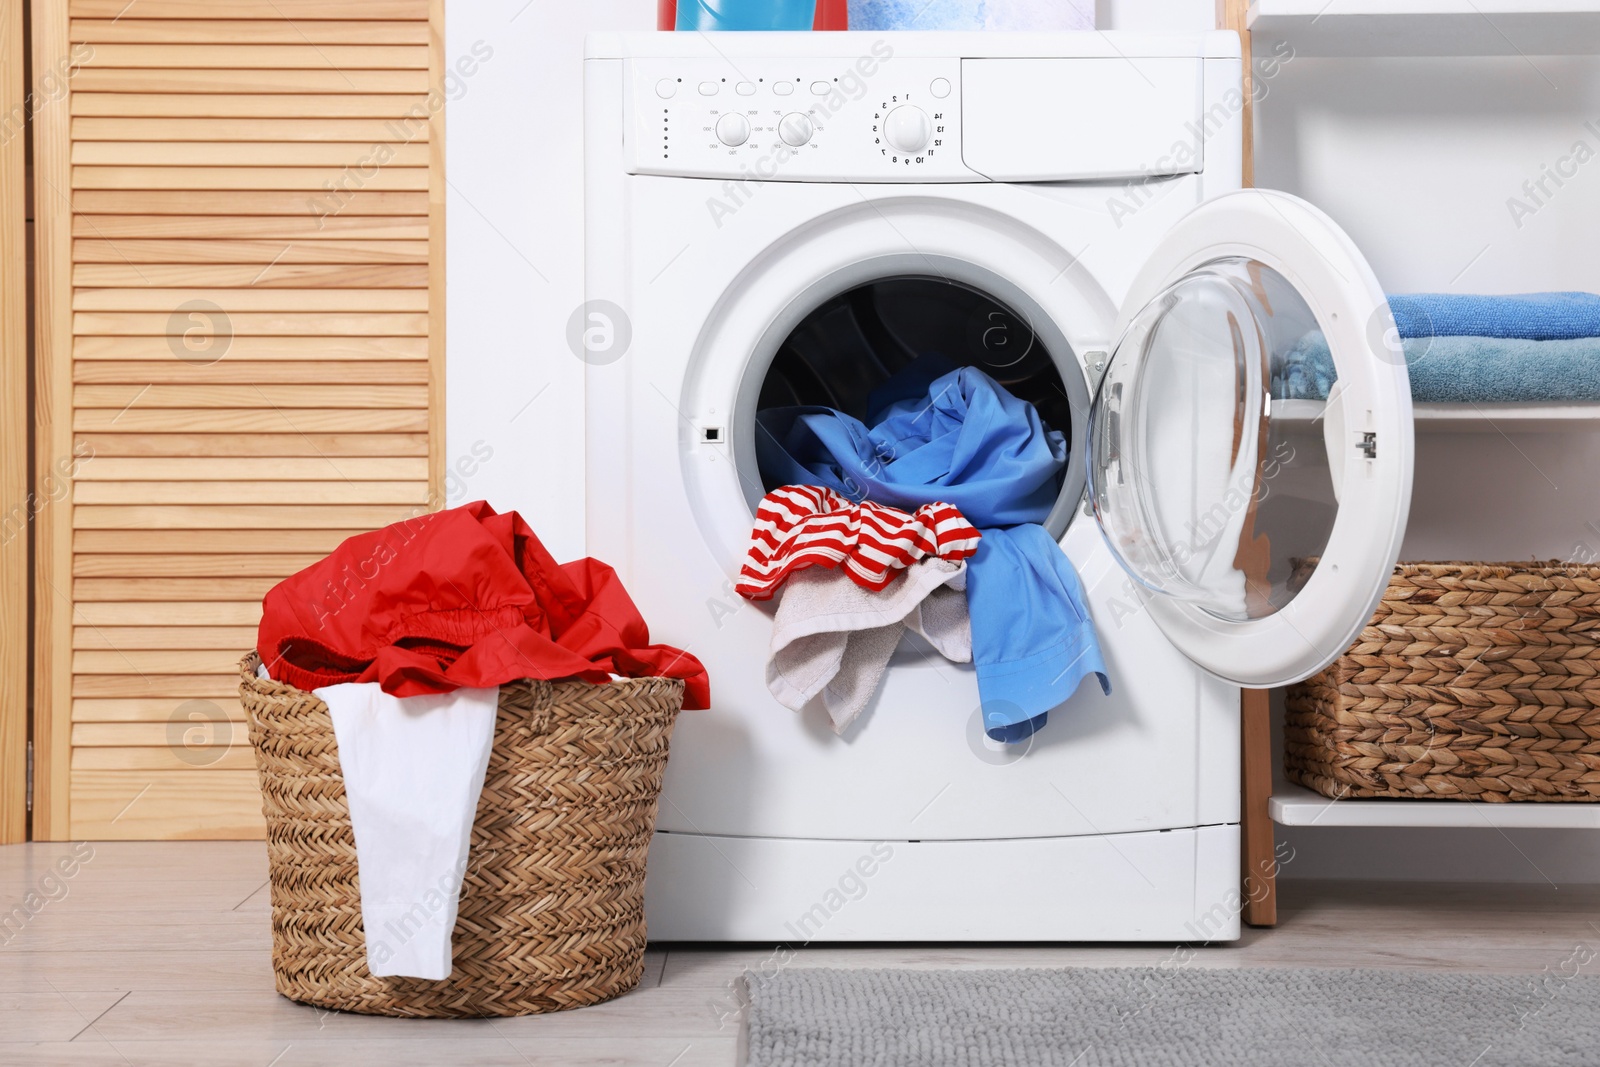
x=851, y=344
x=914, y=392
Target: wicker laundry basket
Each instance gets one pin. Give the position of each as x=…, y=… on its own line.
x=1473, y=681
x=552, y=907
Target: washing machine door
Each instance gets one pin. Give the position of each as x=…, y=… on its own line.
x=1250, y=443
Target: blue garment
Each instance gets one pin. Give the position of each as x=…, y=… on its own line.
x=961, y=438
x=1529, y=316
x=1478, y=370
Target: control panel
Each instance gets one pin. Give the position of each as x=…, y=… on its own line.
x=871, y=118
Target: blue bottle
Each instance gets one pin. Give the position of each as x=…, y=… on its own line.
x=745, y=14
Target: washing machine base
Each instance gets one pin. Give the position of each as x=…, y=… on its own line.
x=1167, y=885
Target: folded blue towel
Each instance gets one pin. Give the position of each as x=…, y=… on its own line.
x=1477, y=370
x=1530, y=316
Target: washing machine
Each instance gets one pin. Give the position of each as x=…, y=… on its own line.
x=789, y=218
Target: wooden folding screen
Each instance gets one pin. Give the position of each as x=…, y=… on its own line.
x=240, y=329
x=14, y=422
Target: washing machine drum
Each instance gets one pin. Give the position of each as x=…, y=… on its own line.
x=849, y=345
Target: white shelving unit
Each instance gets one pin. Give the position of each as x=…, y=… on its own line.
x=1427, y=27
x=1362, y=29
x=1294, y=805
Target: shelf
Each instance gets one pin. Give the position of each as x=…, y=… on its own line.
x=1293, y=805
x=1427, y=27
x=1506, y=418
x=1472, y=418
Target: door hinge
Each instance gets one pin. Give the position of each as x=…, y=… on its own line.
x=30, y=775
x=1369, y=445
x=1095, y=363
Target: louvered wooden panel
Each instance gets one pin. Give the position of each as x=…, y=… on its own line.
x=240, y=366
x=14, y=432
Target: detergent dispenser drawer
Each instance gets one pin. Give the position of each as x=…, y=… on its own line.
x=1077, y=119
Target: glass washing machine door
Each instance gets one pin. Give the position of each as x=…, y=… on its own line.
x=1250, y=442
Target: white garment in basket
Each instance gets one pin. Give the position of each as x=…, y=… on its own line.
x=413, y=769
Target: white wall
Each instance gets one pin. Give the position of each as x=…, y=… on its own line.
x=1418, y=158
x=1156, y=16
x=514, y=157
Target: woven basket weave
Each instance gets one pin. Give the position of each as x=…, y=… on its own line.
x=1473, y=681
x=552, y=906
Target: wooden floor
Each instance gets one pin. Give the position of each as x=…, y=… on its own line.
x=157, y=954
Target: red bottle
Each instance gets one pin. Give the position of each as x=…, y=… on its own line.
x=831, y=15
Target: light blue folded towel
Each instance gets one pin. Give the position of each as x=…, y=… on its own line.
x=1477, y=370
x=1529, y=316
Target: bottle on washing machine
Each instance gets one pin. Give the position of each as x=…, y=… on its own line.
x=752, y=14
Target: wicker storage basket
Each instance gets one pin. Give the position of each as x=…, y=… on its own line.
x=552, y=907
x=1473, y=681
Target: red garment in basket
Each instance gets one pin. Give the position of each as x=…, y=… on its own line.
x=812, y=526
x=464, y=597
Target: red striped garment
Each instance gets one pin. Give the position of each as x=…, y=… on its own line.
x=807, y=525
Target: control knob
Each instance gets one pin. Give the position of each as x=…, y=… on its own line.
x=795, y=129
x=733, y=129
x=907, y=129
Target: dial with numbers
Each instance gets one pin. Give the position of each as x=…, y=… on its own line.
x=907, y=133
x=907, y=128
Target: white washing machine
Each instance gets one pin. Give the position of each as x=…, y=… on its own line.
x=777, y=218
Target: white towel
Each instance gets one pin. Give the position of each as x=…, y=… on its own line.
x=413, y=769
x=832, y=638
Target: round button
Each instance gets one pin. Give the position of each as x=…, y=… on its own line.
x=666, y=88
x=795, y=129
x=940, y=87
x=783, y=88
x=733, y=129
x=907, y=128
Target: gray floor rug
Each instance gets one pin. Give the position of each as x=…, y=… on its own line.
x=1188, y=1015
